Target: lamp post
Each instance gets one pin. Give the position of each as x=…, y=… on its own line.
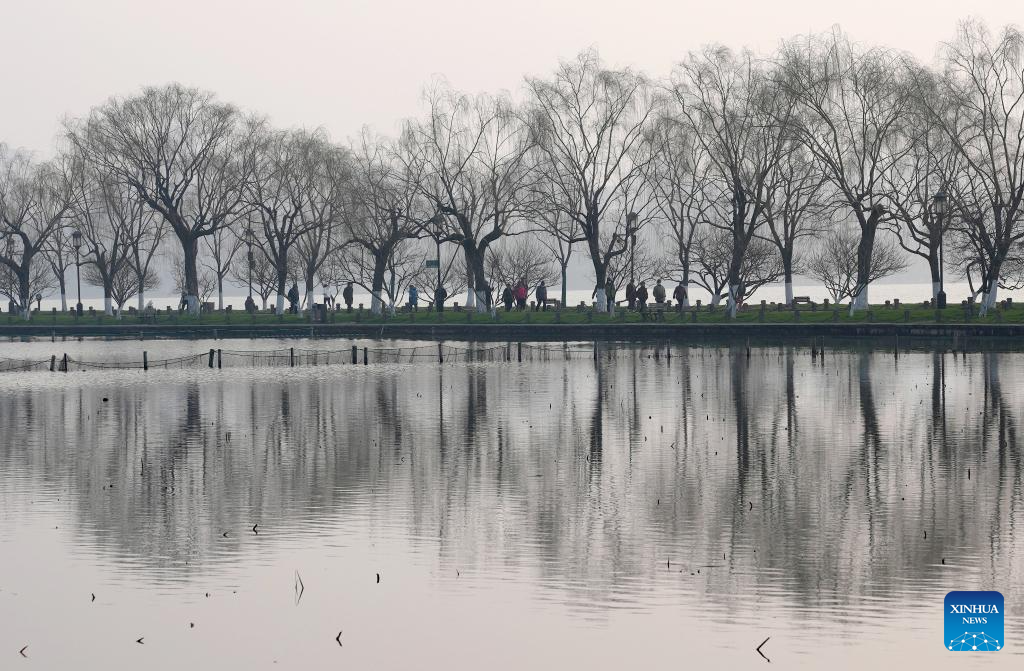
x=76, y=242
x=939, y=209
x=248, y=254
x=631, y=231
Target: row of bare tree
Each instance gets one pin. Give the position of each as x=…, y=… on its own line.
x=823, y=159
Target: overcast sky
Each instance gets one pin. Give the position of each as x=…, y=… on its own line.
x=340, y=65
x=352, y=62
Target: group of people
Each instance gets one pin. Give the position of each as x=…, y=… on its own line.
x=516, y=296
x=637, y=296
x=513, y=297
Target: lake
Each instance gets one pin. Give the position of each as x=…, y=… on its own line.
x=667, y=506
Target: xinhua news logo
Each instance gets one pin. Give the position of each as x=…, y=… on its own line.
x=974, y=621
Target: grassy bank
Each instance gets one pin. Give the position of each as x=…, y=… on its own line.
x=878, y=314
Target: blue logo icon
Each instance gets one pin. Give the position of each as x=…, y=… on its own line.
x=974, y=621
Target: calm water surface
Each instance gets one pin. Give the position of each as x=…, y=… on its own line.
x=635, y=512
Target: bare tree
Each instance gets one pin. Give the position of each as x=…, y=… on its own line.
x=588, y=123
x=681, y=182
x=476, y=172
x=520, y=260
x=112, y=220
x=761, y=265
x=255, y=266
x=187, y=155
x=223, y=245
x=980, y=107
x=796, y=210
x=34, y=204
x=386, y=209
x=853, y=118
x=837, y=264
x=741, y=120
x=326, y=172
x=58, y=253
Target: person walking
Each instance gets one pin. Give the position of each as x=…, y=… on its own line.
x=609, y=294
x=346, y=295
x=507, y=298
x=440, y=294
x=679, y=296
x=521, y=295
x=542, y=297
x=659, y=293
x=414, y=299
x=293, y=299
x=631, y=295
x=250, y=305
x=641, y=298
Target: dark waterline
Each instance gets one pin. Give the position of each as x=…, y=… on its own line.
x=632, y=511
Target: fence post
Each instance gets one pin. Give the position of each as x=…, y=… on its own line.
x=440, y=353
x=519, y=351
x=65, y=362
x=366, y=357
x=291, y=357
x=53, y=362
x=145, y=360
x=355, y=355
x=209, y=361
x=218, y=359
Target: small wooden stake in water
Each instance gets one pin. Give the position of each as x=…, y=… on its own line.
x=53, y=362
x=355, y=354
x=209, y=361
x=218, y=359
x=519, y=351
x=291, y=356
x=366, y=357
x=145, y=360
x=440, y=353
x=65, y=362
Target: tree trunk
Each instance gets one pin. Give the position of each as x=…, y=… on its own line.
x=564, y=283
x=220, y=292
x=63, y=301
x=108, y=303
x=282, y=281
x=23, y=289
x=190, y=250
x=865, y=250
x=739, y=248
x=379, y=266
x=142, y=296
x=787, y=275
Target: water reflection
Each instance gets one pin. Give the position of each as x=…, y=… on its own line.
x=728, y=482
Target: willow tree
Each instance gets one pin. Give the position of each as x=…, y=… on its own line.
x=113, y=222
x=385, y=208
x=186, y=154
x=980, y=107
x=853, y=114
x=475, y=154
x=736, y=113
x=35, y=199
x=588, y=124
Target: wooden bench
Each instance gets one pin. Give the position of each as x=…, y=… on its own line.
x=656, y=311
x=802, y=300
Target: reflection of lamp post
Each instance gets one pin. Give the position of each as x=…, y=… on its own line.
x=76, y=242
x=939, y=208
x=631, y=230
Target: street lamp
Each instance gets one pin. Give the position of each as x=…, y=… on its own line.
x=631, y=230
x=248, y=244
x=939, y=209
x=76, y=242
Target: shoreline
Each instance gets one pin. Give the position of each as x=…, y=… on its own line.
x=511, y=332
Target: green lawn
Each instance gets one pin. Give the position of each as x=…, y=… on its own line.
x=878, y=314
